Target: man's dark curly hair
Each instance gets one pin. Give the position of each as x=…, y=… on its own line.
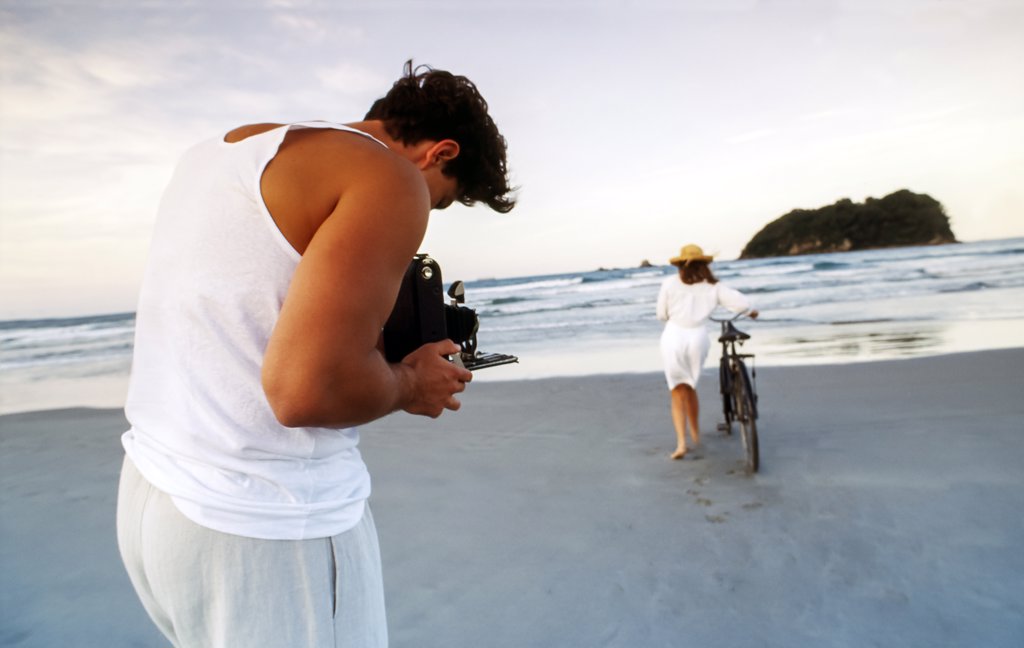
x=428, y=104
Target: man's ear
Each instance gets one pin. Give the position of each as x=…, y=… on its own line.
x=442, y=152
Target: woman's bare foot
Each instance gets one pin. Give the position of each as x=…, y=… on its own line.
x=678, y=454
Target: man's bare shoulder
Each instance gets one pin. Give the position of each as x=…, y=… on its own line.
x=331, y=152
x=242, y=132
x=333, y=142
x=318, y=171
x=339, y=158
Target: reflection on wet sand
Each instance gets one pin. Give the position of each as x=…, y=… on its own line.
x=864, y=341
x=856, y=344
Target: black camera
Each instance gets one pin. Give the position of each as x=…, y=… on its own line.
x=421, y=316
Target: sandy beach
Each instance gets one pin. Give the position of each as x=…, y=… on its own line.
x=888, y=512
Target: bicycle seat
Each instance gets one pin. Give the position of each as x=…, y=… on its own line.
x=731, y=334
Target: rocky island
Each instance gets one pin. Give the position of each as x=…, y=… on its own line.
x=902, y=218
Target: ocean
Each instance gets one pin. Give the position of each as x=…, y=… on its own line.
x=815, y=309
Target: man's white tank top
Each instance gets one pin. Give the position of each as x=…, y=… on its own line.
x=201, y=427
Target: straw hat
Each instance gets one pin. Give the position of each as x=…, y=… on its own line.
x=689, y=253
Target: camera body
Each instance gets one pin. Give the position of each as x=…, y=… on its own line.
x=421, y=315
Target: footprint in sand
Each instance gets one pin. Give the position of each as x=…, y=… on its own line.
x=752, y=505
x=700, y=480
x=703, y=501
x=715, y=519
x=692, y=491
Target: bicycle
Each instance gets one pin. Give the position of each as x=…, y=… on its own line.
x=739, y=390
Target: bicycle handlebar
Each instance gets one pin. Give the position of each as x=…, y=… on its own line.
x=730, y=319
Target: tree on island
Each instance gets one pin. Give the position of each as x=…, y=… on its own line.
x=902, y=218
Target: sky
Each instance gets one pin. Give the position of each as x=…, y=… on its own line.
x=634, y=127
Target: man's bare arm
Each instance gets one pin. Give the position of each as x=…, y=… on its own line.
x=322, y=366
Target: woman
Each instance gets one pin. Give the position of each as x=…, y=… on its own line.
x=684, y=303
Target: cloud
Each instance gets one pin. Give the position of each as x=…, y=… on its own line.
x=352, y=79
x=828, y=114
x=301, y=26
x=315, y=27
x=97, y=100
x=117, y=70
x=750, y=136
x=49, y=81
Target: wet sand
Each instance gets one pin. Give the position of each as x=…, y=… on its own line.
x=546, y=513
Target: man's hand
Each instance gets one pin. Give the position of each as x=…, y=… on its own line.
x=432, y=380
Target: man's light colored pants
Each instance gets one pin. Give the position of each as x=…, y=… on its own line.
x=206, y=589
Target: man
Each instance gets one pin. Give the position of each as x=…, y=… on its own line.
x=276, y=259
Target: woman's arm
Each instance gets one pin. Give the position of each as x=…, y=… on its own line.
x=733, y=299
x=661, y=310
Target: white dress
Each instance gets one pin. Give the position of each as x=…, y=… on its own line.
x=685, y=309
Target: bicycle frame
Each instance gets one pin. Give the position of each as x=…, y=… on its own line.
x=738, y=389
x=732, y=366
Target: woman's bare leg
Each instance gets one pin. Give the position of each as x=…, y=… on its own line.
x=679, y=420
x=692, y=410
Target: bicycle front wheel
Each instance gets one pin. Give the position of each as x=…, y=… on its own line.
x=747, y=416
x=728, y=393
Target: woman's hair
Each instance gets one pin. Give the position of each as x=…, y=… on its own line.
x=696, y=272
x=428, y=104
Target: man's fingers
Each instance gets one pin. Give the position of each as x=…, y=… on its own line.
x=440, y=378
x=447, y=347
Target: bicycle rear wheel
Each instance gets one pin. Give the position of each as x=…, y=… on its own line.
x=746, y=414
